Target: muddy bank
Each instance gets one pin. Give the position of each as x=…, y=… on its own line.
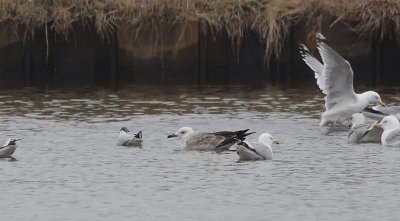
x=55, y=44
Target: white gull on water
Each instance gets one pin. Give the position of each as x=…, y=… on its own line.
x=215, y=141
x=256, y=151
x=379, y=112
x=8, y=148
x=391, y=131
x=126, y=139
x=360, y=132
x=335, y=79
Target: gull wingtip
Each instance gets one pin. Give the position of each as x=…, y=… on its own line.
x=303, y=50
x=320, y=36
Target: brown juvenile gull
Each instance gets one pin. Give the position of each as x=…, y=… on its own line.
x=214, y=141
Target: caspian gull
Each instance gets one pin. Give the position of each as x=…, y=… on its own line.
x=214, y=141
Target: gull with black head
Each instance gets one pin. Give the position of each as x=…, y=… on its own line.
x=127, y=139
x=8, y=148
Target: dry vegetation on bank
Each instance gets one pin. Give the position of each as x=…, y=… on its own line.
x=269, y=19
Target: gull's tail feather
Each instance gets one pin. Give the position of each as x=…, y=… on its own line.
x=138, y=135
x=243, y=136
x=235, y=137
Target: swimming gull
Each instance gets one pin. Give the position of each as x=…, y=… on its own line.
x=360, y=132
x=215, y=141
x=335, y=79
x=379, y=112
x=391, y=131
x=126, y=139
x=8, y=148
x=256, y=151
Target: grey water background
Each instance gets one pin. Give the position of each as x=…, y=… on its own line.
x=67, y=166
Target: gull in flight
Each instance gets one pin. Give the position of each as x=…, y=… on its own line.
x=391, y=131
x=214, y=141
x=126, y=139
x=8, y=148
x=335, y=79
x=256, y=151
x=360, y=132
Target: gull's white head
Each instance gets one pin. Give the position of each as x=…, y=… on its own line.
x=373, y=98
x=11, y=142
x=357, y=119
x=182, y=132
x=388, y=123
x=267, y=139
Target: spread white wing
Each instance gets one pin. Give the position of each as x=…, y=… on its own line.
x=314, y=64
x=334, y=77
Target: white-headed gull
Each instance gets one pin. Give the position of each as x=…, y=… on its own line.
x=391, y=131
x=256, y=151
x=335, y=79
x=216, y=141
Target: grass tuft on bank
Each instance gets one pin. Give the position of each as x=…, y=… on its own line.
x=270, y=20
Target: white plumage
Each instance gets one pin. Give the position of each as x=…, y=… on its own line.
x=335, y=79
x=126, y=139
x=360, y=132
x=8, y=148
x=256, y=151
x=391, y=131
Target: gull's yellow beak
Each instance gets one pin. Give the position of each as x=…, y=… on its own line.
x=377, y=125
x=382, y=104
x=275, y=141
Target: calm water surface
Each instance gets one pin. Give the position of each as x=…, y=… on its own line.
x=68, y=168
